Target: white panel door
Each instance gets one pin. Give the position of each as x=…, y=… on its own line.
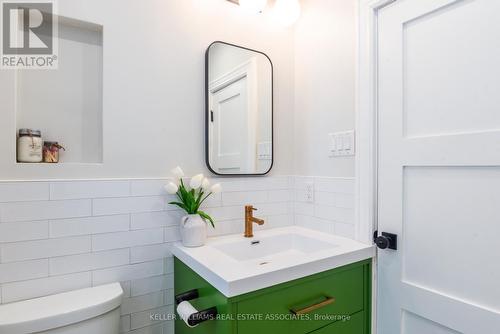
x=230, y=127
x=439, y=166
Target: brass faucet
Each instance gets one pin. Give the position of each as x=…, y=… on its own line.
x=249, y=220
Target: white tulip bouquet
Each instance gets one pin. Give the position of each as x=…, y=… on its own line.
x=192, y=197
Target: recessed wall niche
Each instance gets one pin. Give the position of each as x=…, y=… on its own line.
x=66, y=103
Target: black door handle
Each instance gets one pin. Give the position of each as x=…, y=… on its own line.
x=386, y=240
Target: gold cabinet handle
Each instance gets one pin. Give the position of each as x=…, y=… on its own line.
x=314, y=307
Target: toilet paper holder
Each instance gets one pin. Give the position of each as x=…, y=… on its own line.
x=200, y=316
x=187, y=296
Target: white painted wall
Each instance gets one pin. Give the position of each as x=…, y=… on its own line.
x=154, y=81
x=325, y=49
x=153, y=101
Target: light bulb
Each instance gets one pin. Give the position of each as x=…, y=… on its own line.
x=253, y=6
x=287, y=12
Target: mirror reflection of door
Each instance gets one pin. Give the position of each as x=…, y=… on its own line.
x=233, y=110
x=239, y=110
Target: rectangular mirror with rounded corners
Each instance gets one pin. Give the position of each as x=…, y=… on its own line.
x=239, y=110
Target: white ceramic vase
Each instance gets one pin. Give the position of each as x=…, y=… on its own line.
x=193, y=231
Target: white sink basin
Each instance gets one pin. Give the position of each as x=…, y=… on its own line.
x=236, y=265
x=273, y=248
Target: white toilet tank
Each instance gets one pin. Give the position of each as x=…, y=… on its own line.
x=87, y=311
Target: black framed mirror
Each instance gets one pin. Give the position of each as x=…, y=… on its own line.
x=239, y=110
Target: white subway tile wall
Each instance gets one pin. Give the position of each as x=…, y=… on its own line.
x=332, y=210
x=66, y=235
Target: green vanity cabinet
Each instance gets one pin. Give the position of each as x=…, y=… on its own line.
x=332, y=302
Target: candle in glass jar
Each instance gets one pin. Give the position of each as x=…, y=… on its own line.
x=29, y=146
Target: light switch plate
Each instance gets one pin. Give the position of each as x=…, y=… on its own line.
x=342, y=144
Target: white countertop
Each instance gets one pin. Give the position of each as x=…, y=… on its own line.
x=234, y=266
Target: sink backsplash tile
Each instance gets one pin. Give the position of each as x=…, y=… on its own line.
x=333, y=208
x=65, y=235
x=57, y=236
